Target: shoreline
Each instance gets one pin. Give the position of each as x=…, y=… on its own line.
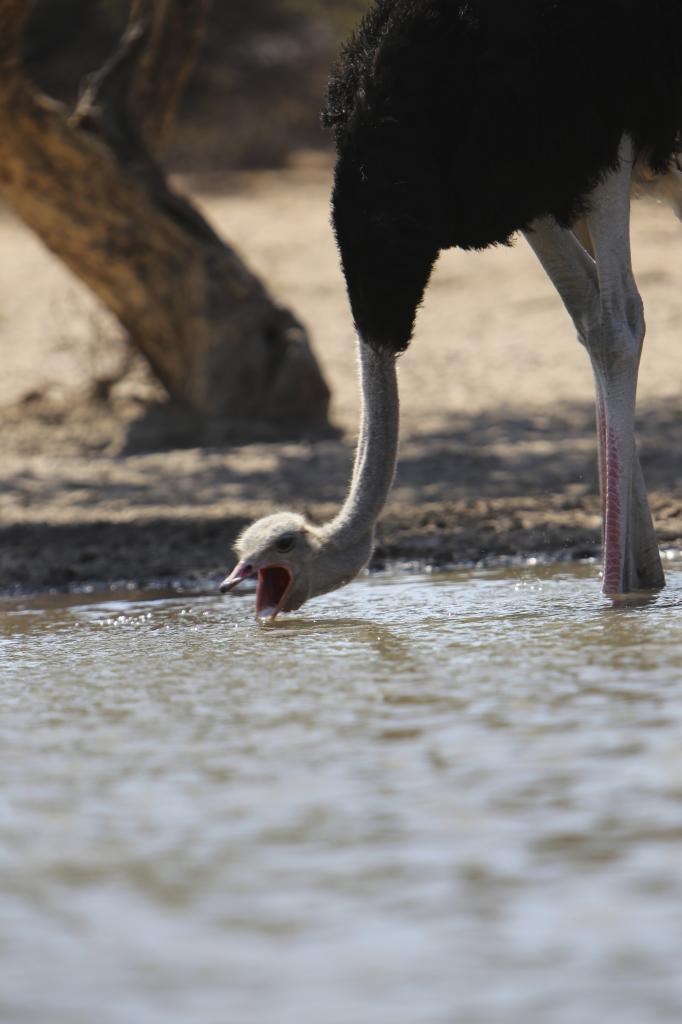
x=184, y=553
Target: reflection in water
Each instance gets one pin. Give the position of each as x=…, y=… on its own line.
x=425, y=799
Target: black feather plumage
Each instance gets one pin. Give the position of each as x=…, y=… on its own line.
x=459, y=122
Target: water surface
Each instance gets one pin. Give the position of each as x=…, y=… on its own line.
x=422, y=800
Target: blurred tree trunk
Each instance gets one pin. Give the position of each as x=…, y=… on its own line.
x=89, y=186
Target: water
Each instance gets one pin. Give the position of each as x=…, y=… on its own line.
x=424, y=800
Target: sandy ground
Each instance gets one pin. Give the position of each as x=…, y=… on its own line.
x=497, y=454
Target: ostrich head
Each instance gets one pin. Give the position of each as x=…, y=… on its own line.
x=293, y=559
x=278, y=550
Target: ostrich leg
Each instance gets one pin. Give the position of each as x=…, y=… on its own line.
x=631, y=560
x=631, y=557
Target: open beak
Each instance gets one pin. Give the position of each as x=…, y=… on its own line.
x=274, y=584
x=241, y=571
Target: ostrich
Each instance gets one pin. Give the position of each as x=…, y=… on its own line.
x=461, y=123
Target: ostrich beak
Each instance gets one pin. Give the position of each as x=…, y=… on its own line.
x=240, y=572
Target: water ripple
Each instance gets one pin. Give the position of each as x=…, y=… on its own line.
x=424, y=799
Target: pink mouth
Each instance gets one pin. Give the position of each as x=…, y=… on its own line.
x=274, y=584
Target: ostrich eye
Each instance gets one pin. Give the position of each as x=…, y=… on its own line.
x=285, y=543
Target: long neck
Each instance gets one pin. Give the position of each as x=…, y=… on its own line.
x=376, y=452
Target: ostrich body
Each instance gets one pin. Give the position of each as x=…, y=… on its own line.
x=461, y=123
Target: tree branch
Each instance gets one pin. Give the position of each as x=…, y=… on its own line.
x=142, y=83
x=176, y=31
x=89, y=188
x=105, y=105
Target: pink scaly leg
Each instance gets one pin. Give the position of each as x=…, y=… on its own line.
x=631, y=560
x=642, y=568
x=601, y=453
x=616, y=429
x=614, y=344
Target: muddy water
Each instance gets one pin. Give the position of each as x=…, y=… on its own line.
x=427, y=800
